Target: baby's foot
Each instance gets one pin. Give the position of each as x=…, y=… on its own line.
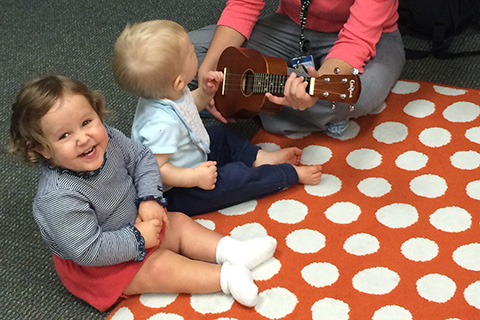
x=237, y=281
x=309, y=174
x=249, y=253
x=291, y=155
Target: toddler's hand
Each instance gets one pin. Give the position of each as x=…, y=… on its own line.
x=151, y=209
x=150, y=231
x=206, y=174
x=212, y=81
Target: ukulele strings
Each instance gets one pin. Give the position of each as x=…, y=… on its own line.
x=258, y=83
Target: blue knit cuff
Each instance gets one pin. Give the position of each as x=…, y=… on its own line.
x=142, y=252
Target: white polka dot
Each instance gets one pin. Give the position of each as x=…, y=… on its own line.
x=288, y=211
x=123, y=313
x=157, y=300
x=419, y=108
x=316, y=155
x=209, y=224
x=465, y=160
x=298, y=135
x=211, y=302
x=374, y=187
x=378, y=281
x=343, y=212
x=249, y=231
x=361, y=244
x=165, y=316
x=435, y=137
x=451, y=219
x=397, y=215
x=390, y=132
x=419, y=249
x=473, y=189
x=468, y=256
x=436, y=287
x=392, y=312
x=239, y=209
x=266, y=270
x=305, y=241
x=461, y=111
x=364, y=159
x=276, y=303
x=405, y=87
x=411, y=160
x=268, y=146
x=472, y=294
x=329, y=185
x=449, y=91
x=330, y=309
x=320, y=274
x=428, y=186
x=473, y=134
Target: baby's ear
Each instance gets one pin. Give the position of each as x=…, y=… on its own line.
x=43, y=151
x=178, y=84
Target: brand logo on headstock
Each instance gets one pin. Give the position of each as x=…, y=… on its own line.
x=351, y=88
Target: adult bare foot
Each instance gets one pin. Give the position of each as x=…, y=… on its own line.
x=309, y=174
x=291, y=155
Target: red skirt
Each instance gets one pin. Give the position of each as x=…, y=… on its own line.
x=101, y=287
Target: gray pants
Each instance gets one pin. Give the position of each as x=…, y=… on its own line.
x=277, y=36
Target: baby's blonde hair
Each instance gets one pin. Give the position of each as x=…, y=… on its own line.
x=35, y=99
x=146, y=57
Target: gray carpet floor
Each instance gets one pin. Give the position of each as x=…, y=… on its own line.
x=76, y=38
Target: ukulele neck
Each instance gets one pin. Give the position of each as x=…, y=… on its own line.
x=274, y=83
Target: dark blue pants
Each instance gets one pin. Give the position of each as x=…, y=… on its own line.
x=238, y=181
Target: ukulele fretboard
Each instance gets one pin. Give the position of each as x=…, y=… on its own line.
x=265, y=82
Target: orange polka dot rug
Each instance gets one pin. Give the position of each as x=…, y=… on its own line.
x=392, y=231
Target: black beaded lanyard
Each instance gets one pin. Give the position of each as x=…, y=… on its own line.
x=304, y=44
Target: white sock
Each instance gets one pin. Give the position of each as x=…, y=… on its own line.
x=249, y=253
x=237, y=281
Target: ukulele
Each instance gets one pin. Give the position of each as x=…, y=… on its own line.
x=248, y=75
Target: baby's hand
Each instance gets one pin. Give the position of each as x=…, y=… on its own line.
x=150, y=231
x=206, y=174
x=212, y=81
x=150, y=209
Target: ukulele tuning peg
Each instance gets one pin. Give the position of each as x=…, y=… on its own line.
x=351, y=108
x=333, y=105
x=355, y=71
x=342, y=96
x=336, y=70
x=327, y=80
x=344, y=80
x=325, y=94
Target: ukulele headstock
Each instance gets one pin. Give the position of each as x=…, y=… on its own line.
x=336, y=87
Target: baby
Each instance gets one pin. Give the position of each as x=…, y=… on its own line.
x=203, y=169
x=101, y=211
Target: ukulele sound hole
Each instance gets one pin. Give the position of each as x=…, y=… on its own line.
x=247, y=83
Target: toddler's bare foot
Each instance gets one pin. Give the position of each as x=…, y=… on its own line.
x=291, y=155
x=309, y=174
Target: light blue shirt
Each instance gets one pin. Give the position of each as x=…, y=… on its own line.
x=159, y=125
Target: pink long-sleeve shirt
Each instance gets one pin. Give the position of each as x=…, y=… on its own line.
x=360, y=23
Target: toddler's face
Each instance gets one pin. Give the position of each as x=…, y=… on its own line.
x=75, y=133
